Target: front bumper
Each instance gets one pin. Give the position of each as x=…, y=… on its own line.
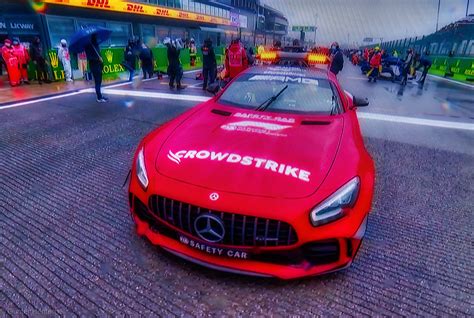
x=285, y=262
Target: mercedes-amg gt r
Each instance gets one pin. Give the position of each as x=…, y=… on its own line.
x=270, y=177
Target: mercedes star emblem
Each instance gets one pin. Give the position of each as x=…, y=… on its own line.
x=210, y=228
x=214, y=196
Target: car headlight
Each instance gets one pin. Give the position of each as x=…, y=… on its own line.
x=332, y=208
x=141, y=170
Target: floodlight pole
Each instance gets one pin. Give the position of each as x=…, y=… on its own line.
x=437, y=16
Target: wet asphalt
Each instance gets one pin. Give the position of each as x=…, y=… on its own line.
x=68, y=244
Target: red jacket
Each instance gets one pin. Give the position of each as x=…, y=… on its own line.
x=235, y=60
x=21, y=54
x=376, y=60
x=7, y=53
x=366, y=55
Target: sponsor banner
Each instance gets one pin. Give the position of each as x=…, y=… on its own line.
x=243, y=21
x=234, y=158
x=19, y=24
x=298, y=28
x=56, y=65
x=280, y=119
x=141, y=8
x=257, y=127
x=460, y=66
x=234, y=19
x=112, y=57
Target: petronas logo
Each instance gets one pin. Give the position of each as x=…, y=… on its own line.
x=109, y=55
x=53, y=57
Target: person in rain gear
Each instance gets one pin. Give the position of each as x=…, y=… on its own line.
x=95, y=64
x=192, y=52
x=130, y=58
x=146, y=58
x=422, y=61
x=366, y=55
x=209, y=64
x=407, y=63
x=175, y=70
x=337, y=59
x=65, y=58
x=36, y=54
x=13, y=70
x=23, y=57
x=235, y=59
x=375, y=63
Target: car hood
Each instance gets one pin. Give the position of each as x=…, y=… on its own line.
x=252, y=153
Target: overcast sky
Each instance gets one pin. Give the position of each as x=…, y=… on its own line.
x=340, y=20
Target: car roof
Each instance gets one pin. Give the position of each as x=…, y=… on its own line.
x=312, y=72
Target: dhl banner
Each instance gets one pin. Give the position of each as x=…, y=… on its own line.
x=140, y=8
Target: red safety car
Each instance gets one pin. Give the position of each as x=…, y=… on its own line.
x=270, y=177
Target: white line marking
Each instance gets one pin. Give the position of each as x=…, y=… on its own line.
x=417, y=121
x=39, y=100
x=436, y=77
x=123, y=92
x=356, y=78
x=86, y=90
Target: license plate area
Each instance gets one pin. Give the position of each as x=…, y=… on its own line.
x=213, y=250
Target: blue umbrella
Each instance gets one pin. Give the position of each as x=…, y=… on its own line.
x=82, y=38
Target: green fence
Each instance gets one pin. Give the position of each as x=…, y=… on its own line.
x=458, y=68
x=113, y=58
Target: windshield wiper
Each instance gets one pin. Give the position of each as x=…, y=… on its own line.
x=270, y=100
x=333, y=108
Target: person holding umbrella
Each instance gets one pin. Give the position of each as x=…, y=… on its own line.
x=88, y=40
x=95, y=64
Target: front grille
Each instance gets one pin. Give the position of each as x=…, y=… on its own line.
x=240, y=230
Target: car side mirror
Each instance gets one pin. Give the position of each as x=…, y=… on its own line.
x=360, y=101
x=213, y=88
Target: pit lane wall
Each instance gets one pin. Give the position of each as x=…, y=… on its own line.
x=457, y=68
x=114, y=57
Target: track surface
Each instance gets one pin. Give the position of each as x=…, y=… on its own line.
x=68, y=245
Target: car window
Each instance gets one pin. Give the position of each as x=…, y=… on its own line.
x=303, y=94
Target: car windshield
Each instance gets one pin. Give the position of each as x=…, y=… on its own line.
x=303, y=94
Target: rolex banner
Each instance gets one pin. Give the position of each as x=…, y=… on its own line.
x=112, y=57
x=56, y=66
